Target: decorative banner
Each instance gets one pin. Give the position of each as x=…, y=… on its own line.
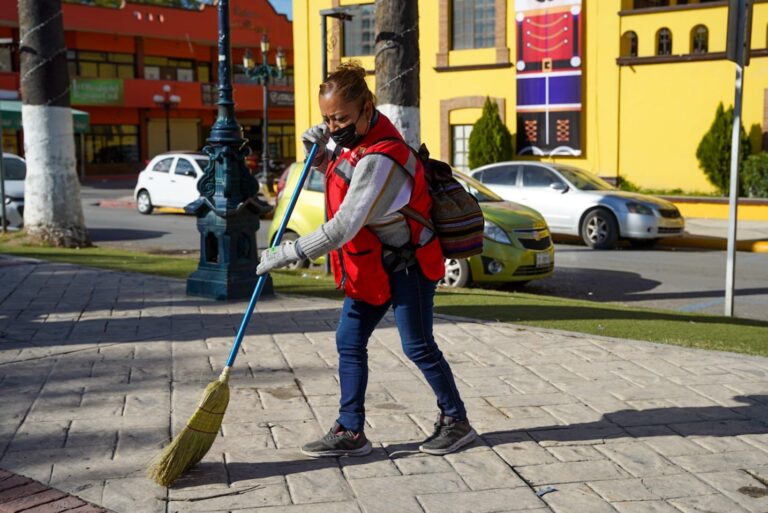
x=97, y=91
x=549, y=78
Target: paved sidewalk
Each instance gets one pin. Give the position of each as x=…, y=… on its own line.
x=97, y=368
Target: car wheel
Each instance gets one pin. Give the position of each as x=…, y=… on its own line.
x=456, y=273
x=643, y=243
x=144, y=203
x=301, y=264
x=599, y=229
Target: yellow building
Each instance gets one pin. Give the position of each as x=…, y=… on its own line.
x=651, y=72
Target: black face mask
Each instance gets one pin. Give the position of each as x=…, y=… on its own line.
x=347, y=136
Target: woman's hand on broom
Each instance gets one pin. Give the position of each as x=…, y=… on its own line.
x=279, y=256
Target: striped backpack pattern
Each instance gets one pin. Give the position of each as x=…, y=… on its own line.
x=456, y=217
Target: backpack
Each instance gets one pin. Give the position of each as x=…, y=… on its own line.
x=456, y=217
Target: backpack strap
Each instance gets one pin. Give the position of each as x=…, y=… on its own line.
x=413, y=214
x=422, y=155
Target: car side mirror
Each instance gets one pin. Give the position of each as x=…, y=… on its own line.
x=190, y=173
x=558, y=186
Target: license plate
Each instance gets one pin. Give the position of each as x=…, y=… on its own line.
x=543, y=260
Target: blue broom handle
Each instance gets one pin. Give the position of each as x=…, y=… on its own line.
x=276, y=242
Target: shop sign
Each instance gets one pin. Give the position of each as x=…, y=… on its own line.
x=86, y=91
x=281, y=98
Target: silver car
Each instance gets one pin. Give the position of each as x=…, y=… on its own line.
x=15, y=172
x=575, y=202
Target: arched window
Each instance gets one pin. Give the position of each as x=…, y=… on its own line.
x=664, y=42
x=699, y=39
x=629, y=44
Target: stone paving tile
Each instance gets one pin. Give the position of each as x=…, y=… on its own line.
x=645, y=507
x=572, y=498
x=740, y=487
x=488, y=501
x=620, y=490
x=722, y=461
x=638, y=459
x=120, y=362
x=707, y=504
x=482, y=469
x=571, y=472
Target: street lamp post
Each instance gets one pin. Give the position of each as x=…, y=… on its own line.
x=3, y=41
x=167, y=101
x=264, y=73
x=228, y=209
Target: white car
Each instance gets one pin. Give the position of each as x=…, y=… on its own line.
x=170, y=180
x=15, y=173
x=575, y=202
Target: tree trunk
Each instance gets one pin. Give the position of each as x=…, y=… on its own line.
x=397, y=65
x=53, y=214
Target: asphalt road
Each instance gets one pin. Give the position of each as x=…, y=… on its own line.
x=676, y=279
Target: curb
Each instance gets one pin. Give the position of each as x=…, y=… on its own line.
x=117, y=204
x=130, y=204
x=19, y=494
x=751, y=246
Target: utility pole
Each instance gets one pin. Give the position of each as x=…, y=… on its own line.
x=397, y=65
x=53, y=214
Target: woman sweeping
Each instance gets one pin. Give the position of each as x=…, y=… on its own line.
x=379, y=257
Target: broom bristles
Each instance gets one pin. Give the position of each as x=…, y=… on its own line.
x=194, y=441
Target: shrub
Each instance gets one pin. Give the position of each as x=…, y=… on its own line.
x=490, y=140
x=626, y=185
x=714, y=151
x=754, y=175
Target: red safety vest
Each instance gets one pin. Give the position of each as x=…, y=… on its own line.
x=357, y=265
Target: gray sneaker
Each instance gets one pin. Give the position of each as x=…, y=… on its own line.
x=450, y=435
x=338, y=442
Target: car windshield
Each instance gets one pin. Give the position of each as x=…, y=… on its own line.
x=15, y=169
x=481, y=193
x=583, y=180
x=202, y=163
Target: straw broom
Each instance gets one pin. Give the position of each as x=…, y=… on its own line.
x=197, y=437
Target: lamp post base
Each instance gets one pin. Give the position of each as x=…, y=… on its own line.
x=228, y=257
x=222, y=285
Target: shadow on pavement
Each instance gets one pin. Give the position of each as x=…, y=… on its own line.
x=718, y=421
x=118, y=234
x=525, y=313
x=617, y=286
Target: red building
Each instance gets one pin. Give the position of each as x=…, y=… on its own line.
x=121, y=58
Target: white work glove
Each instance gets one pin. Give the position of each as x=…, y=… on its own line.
x=318, y=134
x=279, y=256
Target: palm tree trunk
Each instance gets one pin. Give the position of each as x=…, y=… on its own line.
x=397, y=65
x=53, y=214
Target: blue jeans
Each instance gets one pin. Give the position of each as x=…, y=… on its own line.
x=412, y=295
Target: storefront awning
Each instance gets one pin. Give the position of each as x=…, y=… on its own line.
x=10, y=117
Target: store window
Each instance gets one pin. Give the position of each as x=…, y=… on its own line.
x=166, y=68
x=112, y=144
x=699, y=39
x=460, y=146
x=203, y=72
x=629, y=44
x=10, y=141
x=282, y=142
x=664, y=42
x=473, y=24
x=100, y=64
x=649, y=4
x=359, y=32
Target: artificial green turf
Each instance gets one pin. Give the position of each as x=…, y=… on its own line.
x=606, y=319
